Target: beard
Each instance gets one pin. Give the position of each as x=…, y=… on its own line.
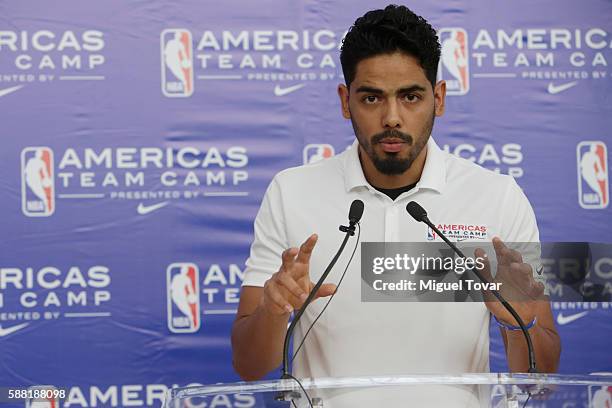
x=392, y=164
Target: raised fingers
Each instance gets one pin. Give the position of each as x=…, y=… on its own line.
x=504, y=254
x=306, y=249
x=288, y=259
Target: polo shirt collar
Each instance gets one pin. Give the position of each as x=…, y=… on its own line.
x=433, y=176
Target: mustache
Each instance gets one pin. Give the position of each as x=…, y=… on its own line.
x=391, y=134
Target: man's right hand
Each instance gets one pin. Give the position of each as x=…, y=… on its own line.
x=288, y=288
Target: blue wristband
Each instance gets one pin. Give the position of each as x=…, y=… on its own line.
x=515, y=328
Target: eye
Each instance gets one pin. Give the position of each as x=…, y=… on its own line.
x=370, y=99
x=411, y=98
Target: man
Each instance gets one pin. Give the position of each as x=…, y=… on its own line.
x=389, y=59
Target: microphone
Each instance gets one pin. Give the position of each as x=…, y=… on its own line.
x=355, y=214
x=356, y=211
x=419, y=214
x=416, y=211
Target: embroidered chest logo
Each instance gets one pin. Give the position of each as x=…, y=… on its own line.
x=458, y=232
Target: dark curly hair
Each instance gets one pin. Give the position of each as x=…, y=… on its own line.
x=396, y=28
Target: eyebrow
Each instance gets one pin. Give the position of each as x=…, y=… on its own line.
x=377, y=91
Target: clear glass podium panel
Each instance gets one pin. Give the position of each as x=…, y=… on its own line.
x=498, y=390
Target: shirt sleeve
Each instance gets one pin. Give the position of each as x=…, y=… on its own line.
x=520, y=229
x=270, y=238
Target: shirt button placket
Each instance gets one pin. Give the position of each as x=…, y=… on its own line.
x=392, y=223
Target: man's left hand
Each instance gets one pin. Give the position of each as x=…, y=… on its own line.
x=518, y=286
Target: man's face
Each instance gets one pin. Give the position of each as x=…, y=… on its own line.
x=392, y=107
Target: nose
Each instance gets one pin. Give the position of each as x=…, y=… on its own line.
x=391, y=117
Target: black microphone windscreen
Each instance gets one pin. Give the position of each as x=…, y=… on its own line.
x=356, y=211
x=416, y=211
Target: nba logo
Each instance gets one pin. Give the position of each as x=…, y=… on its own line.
x=37, y=182
x=431, y=235
x=316, y=152
x=593, y=190
x=454, y=64
x=177, y=63
x=183, y=291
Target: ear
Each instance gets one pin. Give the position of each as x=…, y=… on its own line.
x=343, y=94
x=439, y=97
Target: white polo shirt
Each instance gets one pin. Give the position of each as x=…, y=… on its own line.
x=355, y=338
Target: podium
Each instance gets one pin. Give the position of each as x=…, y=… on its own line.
x=497, y=390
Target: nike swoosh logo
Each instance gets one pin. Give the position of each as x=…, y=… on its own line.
x=6, y=332
x=563, y=320
x=540, y=269
x=146, y=209
x=555, y=89
x=10, y=90
x=278, y=91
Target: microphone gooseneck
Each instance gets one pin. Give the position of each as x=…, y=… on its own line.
x=419, y=214
x=355, y=214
